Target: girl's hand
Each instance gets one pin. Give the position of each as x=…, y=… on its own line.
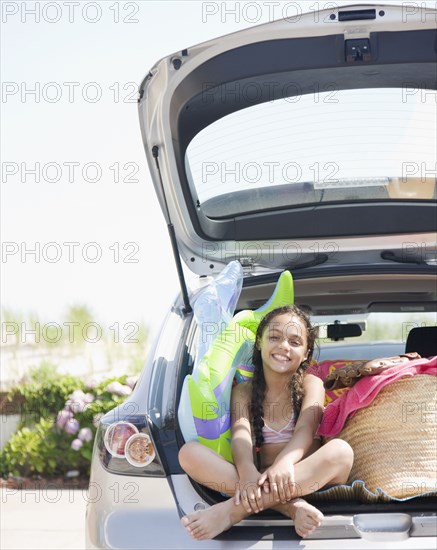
x=280, y=478
x=248, y=492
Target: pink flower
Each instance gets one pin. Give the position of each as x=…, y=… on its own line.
x=72, y=426
x=76, y=406
x=76, y=444
x=63, y=417
x=131, y=381
x=91, y=383
x=78, y=400
x=113, y=387
x=77, y=395
x=88, y=398
x=96, y=419
x=85, y=434
x=118, y=389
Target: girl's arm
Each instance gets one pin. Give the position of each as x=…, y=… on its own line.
x=242, y=449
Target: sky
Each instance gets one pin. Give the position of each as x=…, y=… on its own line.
x=80, y=220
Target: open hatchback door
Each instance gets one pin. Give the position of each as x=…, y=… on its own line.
x=299, y=142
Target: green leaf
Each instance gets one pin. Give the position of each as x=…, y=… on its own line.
x=86, y=453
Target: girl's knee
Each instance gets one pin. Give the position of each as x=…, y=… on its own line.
x=187, y=455
x=341, y=452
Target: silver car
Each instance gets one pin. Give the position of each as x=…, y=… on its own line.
x=304, y=144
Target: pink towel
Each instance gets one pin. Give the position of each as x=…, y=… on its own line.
x=365, y=390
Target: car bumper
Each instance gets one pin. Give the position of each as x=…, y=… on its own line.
x=139, y=512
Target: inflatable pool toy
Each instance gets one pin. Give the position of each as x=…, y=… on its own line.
x=214, y=306
x=204, y=409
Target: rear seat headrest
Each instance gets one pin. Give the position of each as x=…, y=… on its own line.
x=423, y=340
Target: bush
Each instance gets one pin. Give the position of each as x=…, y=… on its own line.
x=29, y=451
x=58, y=422
x=44, y=393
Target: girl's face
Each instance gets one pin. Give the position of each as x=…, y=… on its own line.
x=283, y=344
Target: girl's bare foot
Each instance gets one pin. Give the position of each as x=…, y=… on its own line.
x=306, y=517
x=209, y=523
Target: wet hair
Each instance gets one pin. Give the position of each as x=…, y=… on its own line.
x=296, y=382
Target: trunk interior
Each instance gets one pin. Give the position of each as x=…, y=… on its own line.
x=339, y=295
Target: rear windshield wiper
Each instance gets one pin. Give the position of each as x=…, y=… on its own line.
x=317, y=260
x=402, y=259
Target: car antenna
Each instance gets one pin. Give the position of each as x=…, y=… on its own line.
x=174, y=244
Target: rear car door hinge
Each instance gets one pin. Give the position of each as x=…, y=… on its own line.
x=247, y=264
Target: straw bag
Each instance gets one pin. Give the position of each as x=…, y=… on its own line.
x=395, y=439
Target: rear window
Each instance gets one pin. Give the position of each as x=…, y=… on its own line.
x=383, y=334
x=330, y=146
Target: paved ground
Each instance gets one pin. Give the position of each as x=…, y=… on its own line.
x=44, y=519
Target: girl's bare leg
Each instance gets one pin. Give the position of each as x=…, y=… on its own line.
x=330, y=464
x=208, y=468
x=200, y=462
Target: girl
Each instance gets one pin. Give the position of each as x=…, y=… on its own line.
x=274, y=421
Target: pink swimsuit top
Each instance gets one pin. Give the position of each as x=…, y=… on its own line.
x=282, y=436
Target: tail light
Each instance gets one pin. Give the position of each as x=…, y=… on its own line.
x=126, y=446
